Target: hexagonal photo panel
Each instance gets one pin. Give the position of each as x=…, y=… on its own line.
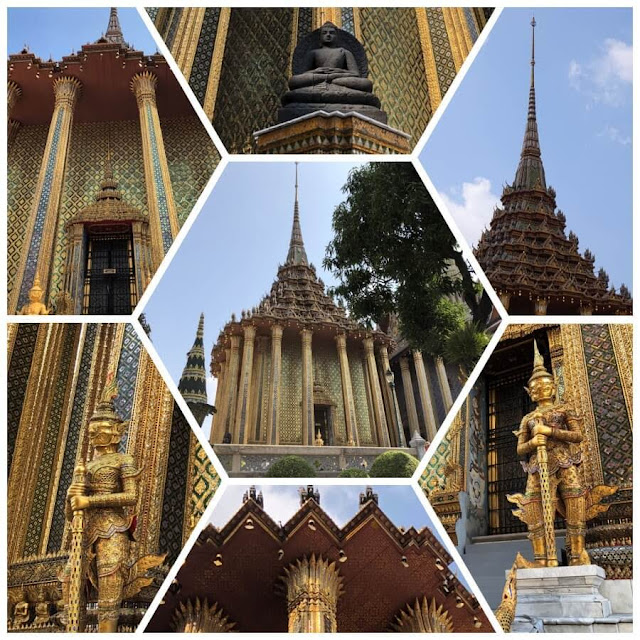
x=107, y=480
x=339, y=354
x=556, y=86
x=106, y=159
x=319, y=80
x=319, y=559
x=533, y=480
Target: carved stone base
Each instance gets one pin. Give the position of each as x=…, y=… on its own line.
x=336, y=132
x=293, y=111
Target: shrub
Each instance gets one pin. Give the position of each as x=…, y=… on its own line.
x=353, y=473
x=291, y=467
x=393, y=464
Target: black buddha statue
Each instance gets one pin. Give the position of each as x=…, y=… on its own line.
x=330, y=74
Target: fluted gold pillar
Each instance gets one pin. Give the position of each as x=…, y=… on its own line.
x=327, y=14
x=443, y=380
x=213, y=81
x=409, y=398
x=425, y=396
x=243, y=409
x=232, y=386
x=163, y=218
x=347, y=391
x=273, y=419
x=392, y=418
x=14, y=92
x=376, y=394
x=36, y=256
x=254, y=427
x=187, y=37
x=449, y=15
x=429, y=58
x=215, y=420
x=313, y=588
x=308, y=437
x=220, y=418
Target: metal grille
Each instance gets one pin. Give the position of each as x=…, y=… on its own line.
x=109, y=283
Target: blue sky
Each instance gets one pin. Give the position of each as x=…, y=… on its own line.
x=230, y=257
x=583, y=91
x=55, y=32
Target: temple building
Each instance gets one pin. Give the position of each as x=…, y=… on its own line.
x=476, y=478
x=311, y=575
x=531, y=262
x=106, y=159
x=296, y=375
x=239, y=61
x=69, y=387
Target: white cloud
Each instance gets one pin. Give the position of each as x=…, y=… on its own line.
x=615, y=135
x=607, y=77
x=472, y=207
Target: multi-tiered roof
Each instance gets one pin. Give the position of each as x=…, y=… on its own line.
x=526, y=254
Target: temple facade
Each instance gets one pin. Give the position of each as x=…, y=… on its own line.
x=534, y=266
x=311, y=575
x=238, y=61
x=106, y=159
x=59, y=376
x=296, y=375
x=476, y=467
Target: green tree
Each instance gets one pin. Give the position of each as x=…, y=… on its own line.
x=393, y=464
x=291, y=467
x=464, y=346
x=392, y=252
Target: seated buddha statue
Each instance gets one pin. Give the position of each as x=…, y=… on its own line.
x=330, y=74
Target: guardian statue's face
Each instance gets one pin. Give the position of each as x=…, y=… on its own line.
x=542, y=389
x=103, y=433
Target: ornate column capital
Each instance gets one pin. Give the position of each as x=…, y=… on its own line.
x=235, y=343
x=143, y=86
x=249, y=331
x=14, y=93
x=67, y=90
x=276, y=332
x=341, y=340
x=199, y=617
x=307, y=336
x=368, y=345
x=404, y=363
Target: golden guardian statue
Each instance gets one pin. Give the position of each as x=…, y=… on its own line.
x=549, y=438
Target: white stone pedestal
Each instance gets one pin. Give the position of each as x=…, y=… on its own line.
x=562, y=592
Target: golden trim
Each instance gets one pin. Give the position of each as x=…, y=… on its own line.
x=215, y=70
x=294, y=38
x=357, y=23
x=458, y=57
x=431, y=69
x=196, y=18
x=622, y=340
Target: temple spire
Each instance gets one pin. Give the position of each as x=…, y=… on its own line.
x=114, y=31
x=297, y=254
x=193, y=382
x=530, y=173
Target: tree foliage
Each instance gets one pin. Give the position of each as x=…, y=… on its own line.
x=392, y=252
x=393, y=464
x=291, y=467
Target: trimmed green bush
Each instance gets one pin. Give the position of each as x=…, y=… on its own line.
x=353, y=473
x=291, y=467
x=393, y=464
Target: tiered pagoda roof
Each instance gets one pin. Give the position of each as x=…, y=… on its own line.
x=239, y=566
x=527, y=255
x=297, y=299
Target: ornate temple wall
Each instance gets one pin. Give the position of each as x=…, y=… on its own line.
x=237, y=61
x=190, y=156
x=56, y=374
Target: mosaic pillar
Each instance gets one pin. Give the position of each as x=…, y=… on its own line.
x=387, y=394
x=313, y=588
x=433, y=83
x=232, y=388
x=43, y=220
x=456, y=39
x=376, y=395
x=254, y=430
x=187, y=36
x=74, y=270
x=213, y=80
x=425, y=394
x=162, y=208
x=142, y=268
x=308, y=436
x=220, y=418
x=347, y=391
x=14, y=92
x=409, y=398
x=243, y=410
x=216, y=420
x=443, y=380
x=273, y=418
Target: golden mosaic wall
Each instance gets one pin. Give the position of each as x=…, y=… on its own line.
x=327, y=373
x=363, y=416
x=191, y=156
x=291, y=391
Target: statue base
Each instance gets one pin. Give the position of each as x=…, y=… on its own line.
x=332, y=132
x=564, y=599
x=299, y=109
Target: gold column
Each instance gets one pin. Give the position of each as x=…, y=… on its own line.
x=384, y=366
x=232, y=388
x=376, y=395
x=215, y=69
x=273, y=419
x=454, y=43
x=308, y=436
x=445, y=388
x=327, y=14
x=425, y=396
x=36, y=256
x=216, y=435
x=254, y=430
x=462, y=29
x=409, y=398
x=313, y=588
x=347, y=391
x=243, y=409
x=433, y=83
x=215, y=420
x=187, y=37
x=162, y=208
x=14, y=92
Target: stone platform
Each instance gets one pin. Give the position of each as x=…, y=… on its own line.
x=253, y=460
x=332, y=132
